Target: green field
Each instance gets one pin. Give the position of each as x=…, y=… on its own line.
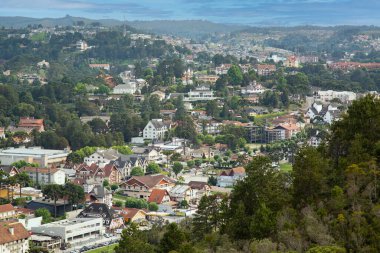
x=286, y=167
x=106, y=249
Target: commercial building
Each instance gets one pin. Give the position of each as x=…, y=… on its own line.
x=14, y=238
x=72, y=231
x=44, y=157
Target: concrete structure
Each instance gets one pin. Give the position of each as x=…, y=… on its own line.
x=81, y=45
x=74, y=230
x=102, y=157
x=14, y=238
x=44, y=157
x=42, y=176
x=155, y=130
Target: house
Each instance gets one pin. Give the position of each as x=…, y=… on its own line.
x=108, y=216
x=7, y=211
x=150, y=153
x=230, y=177
x=44, y=157
x=200, y=93
x=292, y=62
x=323, y=113
x=161, y=95
x=14, y=238
x=159, y=196
x=133, y=214
x=182, y=192
x=155, y=130
x=223, y=69
x=290, y=129
x=265, y=69
x=202, y=152
x=81, y=45
x=98, y=194
x=72, y=230
x=42, y=176
x=200, y=188
x=30, y=124
x=128, y=88
x=125, y=164
x=10, y=170
x=210, y=127
x=207, y=78
x=97, y=174
x=43, y=64
x=142, y=186
x=328, y=95
x=102, y=157
x=254, y=88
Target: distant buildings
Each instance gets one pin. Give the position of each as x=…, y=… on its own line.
x=100, y=66
x=81, y=45
x=346, y=66
x=292, y=62
x=28, y=124
x=44, y=157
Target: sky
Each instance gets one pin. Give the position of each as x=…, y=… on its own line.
x=249, y=12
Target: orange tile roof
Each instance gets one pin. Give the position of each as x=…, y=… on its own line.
x=39, y=170
x=129, y=213
x=6, y=208
x=157, y=195
x=19, y=232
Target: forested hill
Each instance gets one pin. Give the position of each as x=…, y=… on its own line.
x=187, y=28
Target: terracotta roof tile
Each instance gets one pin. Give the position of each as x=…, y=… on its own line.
x=19, y=232
x=6, y=208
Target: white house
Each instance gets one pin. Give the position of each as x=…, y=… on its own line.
x=155, y=130
x=102, y=157
x=254, y=88
x=45, y=175
x=202, y=92
x=230, y=177
x=328, y=95
x=182, y=192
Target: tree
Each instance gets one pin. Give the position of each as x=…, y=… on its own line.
x=190, y=163
x=173, y=238
x=326, y=249
x=44, y=213
x=136, y=203
x=133, y=241
x=54, y=192
x=153, y=168
x=153, y=206
x=235, y=75
x=74, y=193
x=212, y=109
x=137, y=171
x=22, y=179
x=106, y=183
x=180, y=113
x=177, y=168
x=310, y=171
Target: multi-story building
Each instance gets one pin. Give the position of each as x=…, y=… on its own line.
x=102, y=157
x=73, y=230
x=42, y=176
x=81, y=45
x=328, y=95
x=155, y=130
x=7, y=211
x=44, y=157
x=265, y=69
x=14, y=238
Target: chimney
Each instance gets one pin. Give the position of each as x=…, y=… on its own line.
x=12, y=230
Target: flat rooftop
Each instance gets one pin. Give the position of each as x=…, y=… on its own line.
x=67, y=222
x=33, y=151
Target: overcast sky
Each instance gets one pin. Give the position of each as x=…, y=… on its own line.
x=252, y=12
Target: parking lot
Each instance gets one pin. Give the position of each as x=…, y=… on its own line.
x=104, y=240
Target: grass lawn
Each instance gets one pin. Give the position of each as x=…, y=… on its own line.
x=106, y=249
x=270, y=115
x=286, y=167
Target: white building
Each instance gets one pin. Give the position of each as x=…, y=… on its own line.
x=14, y=238
x=81, y=45
x=73, y=230
x=102, y=157
x=230, y=177
x=254, y=88
x=328, y=95
x=44, y=176
x=202, y=92
x=155, y=130
x=44, y=157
